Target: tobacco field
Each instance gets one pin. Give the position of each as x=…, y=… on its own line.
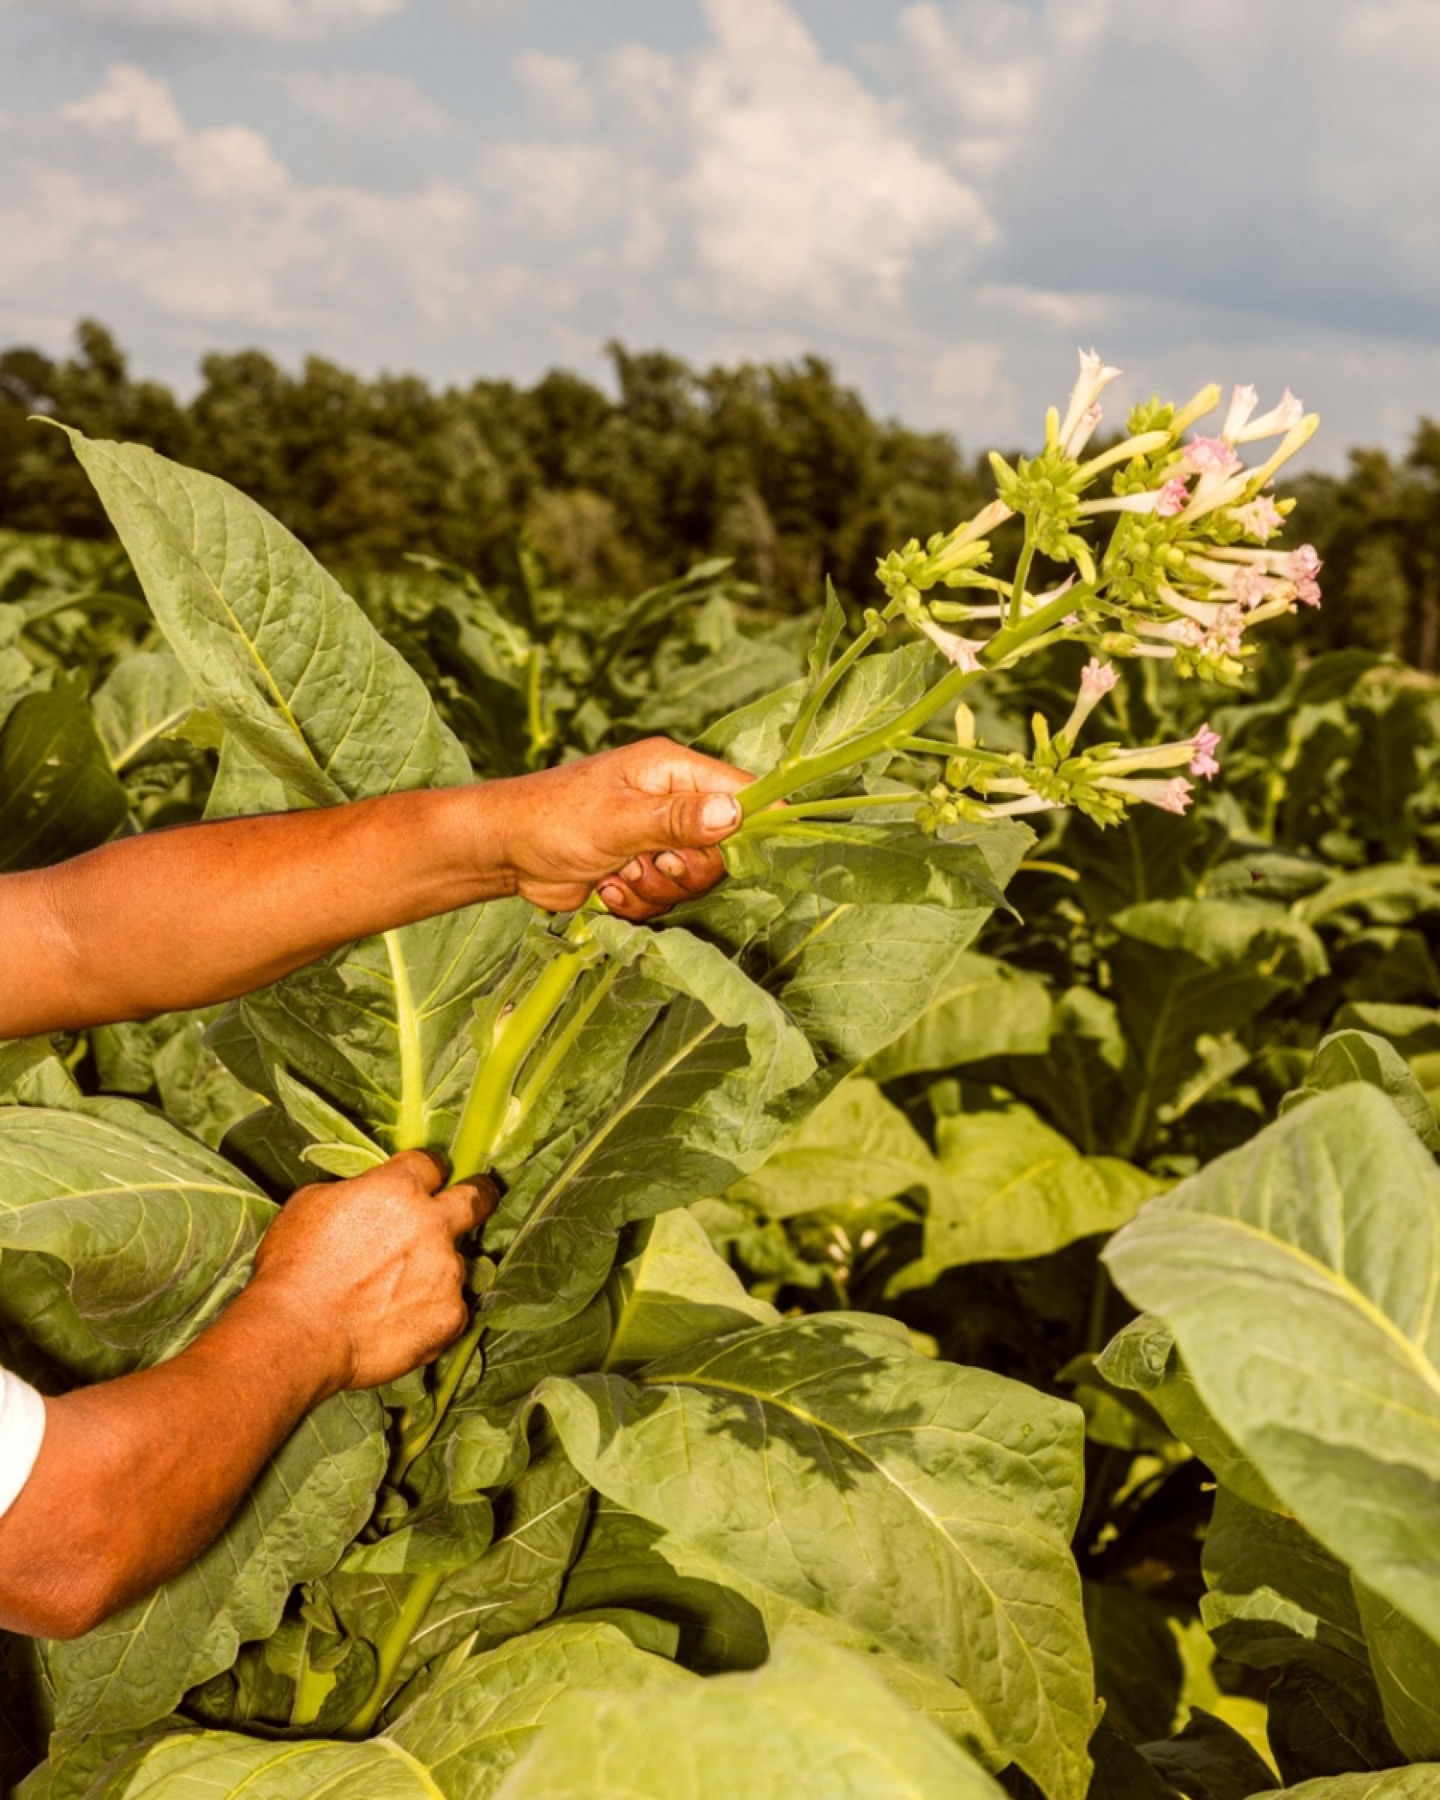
x=962, y=1320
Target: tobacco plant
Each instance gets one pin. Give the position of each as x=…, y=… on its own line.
x=639, y=1531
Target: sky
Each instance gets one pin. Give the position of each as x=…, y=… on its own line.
x=944, y=198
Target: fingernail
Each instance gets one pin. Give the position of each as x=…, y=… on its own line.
x=633, y=870
x=719, y=812
x=668, y=863
x=612, y=895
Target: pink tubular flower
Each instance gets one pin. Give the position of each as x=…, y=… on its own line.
x=1303, y=564
x=1211, y=456
x=1205, y=743
x=1307, y=591
x=1173, y=498
x=1096, y=680
x=963, y=652
x=1171, y=796
x=1261, y=519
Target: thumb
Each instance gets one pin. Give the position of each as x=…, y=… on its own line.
x=694, y=821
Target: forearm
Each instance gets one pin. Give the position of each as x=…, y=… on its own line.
x=203, y=913
x=137, y=1476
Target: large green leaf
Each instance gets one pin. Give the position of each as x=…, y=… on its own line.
x=1347, y=1056
x=1421, y=1782
x=119, y=1236
x=855, y=1146
x=871, y=865
x=380, y=1029
x=674, y=1292
x=277, y=651
x=696, y=1109
x=928, y=1505
x=146, y=699
x=812, y=1721
x=988, y=1009
x=206, y=1765
x=1009, y=1187
x=1406, y=1662
x=627, y=1562
x=514, y=1586
x=474, y=1723
x=1184, y=969
x=1299, y=1276
x=1278, y=1601
x=58, y=793
x=292, y=1526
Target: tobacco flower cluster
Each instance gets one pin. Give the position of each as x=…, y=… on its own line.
x=1187, y=572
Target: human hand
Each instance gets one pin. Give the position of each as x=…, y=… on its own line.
x=372, y=1265
x=641, y=823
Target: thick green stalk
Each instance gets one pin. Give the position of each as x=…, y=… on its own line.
x=391, y=1651
x=796, y=772
x=487, y=1108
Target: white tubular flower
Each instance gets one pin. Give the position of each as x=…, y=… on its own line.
x=1284, y=417
x=1294, y=441
x=1096, y=681
x=1242, y=403
x=1170, y=796
x=1033, y=804
x=1130, y=503
x=1094, y=378
x=964, y=653
x=1132, y=447
x=956, y=552
x=1083, y=432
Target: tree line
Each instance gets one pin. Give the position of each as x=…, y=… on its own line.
x=779, y=466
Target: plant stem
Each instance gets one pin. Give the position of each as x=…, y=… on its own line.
x=796, y=772
x=1022, y=575
x=313, y=1688
x=828, y=683
x=488, y=1105
x=391, y=1651
x=826, y=809
x=545, y=1070
x=456, y=1361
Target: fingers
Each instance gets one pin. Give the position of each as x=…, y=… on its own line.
x=661, y=767
x=650, y=885
x=466, y=1206
x=424, y=1167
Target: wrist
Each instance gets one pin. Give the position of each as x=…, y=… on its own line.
x=294, y=1331
x=487, y=834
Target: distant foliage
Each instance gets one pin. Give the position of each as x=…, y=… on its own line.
x=779, y=467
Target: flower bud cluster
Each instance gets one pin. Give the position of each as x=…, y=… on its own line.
x=1166, y=546
x=1103, y=782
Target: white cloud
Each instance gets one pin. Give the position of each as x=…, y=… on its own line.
x=283, y=19
x=803, y=183
x=368, y=102
x=1217, y=191
x=556, y=91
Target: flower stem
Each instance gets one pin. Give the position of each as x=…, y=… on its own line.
x=828, y=683
x=1022, y=575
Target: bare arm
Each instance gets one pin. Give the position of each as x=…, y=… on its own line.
x=201, y=914
x=355, y=1283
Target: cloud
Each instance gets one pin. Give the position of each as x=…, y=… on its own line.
x=293, y=20
x=802, y=181
x=556, y=91
x=368, y=102
x=1220, y=192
